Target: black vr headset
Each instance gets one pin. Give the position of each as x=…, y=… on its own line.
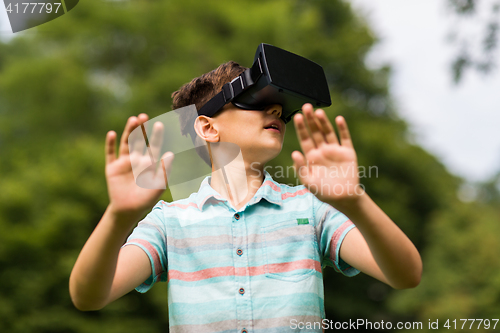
x=276, y=77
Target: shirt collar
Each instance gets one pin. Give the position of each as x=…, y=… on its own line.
x=206, y=192
x=269, y=190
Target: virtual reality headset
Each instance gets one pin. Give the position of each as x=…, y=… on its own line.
x=276, y=77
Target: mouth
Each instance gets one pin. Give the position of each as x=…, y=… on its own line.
x=274, y=126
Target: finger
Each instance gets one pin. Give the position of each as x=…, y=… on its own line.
x=110, y=147
x=299, y=163
x=132, y=123
x=142, y=118
x=305, y=140
x=327, y=127
x=136, y=142
x=137, y=139
x=156, y=139
x=166, y=166
x=313, y=123
x=345, y=137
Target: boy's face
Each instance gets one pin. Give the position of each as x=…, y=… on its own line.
x=259, y=134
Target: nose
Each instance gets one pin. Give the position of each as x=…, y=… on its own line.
x=275, y=109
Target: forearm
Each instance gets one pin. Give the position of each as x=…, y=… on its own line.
x=394, y=253
x=92, y=275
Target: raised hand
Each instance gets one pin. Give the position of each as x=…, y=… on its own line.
x=327, y=167
x=126, y=197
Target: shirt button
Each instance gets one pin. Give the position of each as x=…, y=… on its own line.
x=239, y=252
x=242, y=291
x=237, y=216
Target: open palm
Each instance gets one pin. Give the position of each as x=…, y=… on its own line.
x=126, y=196
x=327, y=167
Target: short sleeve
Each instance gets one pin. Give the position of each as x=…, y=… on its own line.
x=151, y=237
x=332, y=227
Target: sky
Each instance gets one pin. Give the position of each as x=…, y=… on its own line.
x=456, y=123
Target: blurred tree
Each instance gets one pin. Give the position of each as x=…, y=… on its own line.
x=49, y=202
x=477, y=50
x=489, y=191
x=462, y=269
x=63, y=86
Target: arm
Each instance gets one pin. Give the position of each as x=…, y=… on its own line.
x=377, y=247
x=103, y=272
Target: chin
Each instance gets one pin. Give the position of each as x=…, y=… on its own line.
x=263, y=153
x=272, y=151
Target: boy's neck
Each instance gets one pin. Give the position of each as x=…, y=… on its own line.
x=238, y=181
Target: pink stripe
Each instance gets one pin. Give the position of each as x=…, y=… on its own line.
x=291, y=195
x=336, y=236
x=293, y=265
x=191, y=204
x=243, y=271
x=154, y=254
x=273, y=185
x=200, y=275
x=252, y=271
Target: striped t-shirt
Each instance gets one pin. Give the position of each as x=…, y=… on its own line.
x=255, y=269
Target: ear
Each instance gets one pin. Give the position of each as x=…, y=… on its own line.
x=204, y=127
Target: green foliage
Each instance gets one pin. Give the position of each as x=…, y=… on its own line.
x=63, y=87
x=49, y=205
x=462, y=278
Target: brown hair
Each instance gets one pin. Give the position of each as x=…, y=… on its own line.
x=199, y=91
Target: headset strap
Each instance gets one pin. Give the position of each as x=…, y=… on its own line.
x=232, y=89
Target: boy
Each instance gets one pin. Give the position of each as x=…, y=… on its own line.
x=248, y=266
